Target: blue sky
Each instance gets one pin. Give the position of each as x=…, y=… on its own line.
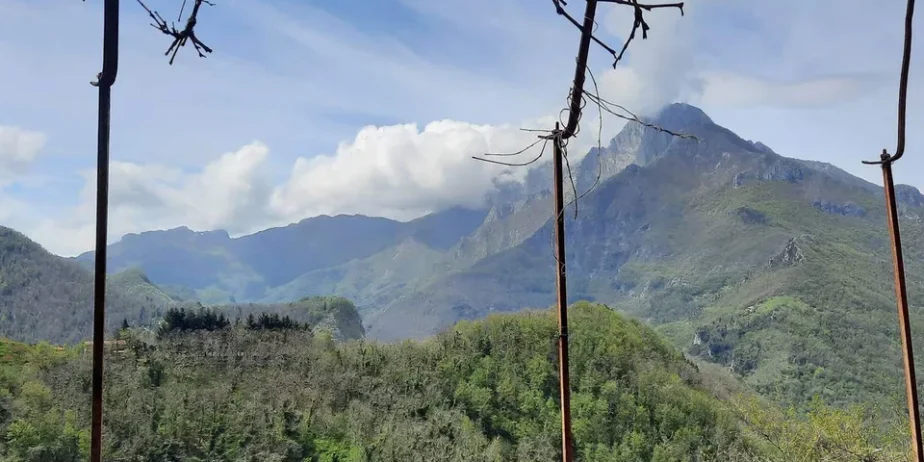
x=374, y=107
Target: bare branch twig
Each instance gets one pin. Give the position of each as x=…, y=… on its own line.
x=180, y=37
x=571, y=19
x=639, y=22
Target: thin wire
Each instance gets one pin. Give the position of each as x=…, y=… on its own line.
x=542, y=130
x=599, y=143
x=557, y=139
x=564, y=154
x=509, y=154
x=606, y=108
x=541, y=152
x=179, y=17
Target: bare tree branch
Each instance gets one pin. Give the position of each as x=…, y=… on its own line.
x=644, y=6
x=639, y=22
x=570, y=18
x=180, y=37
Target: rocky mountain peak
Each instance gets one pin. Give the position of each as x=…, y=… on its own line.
x=680, y=116
x=640, y=144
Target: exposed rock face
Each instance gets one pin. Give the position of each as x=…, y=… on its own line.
x=790, y=256
x=778, y=170
x=910, y=203
x=908, y=195
x=750, y=216
x=700, y=337
x=784, y=171
x=739, y=179
x=762, y=147
x=846, y=209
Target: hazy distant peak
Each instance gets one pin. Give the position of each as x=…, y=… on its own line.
x=183, y=231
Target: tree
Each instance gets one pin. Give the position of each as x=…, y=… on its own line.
x=120, y=332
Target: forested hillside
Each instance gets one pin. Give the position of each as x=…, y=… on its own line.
x=482, y=391
x=46, y=297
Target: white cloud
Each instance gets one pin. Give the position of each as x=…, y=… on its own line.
x=659, y=70
x=18, y=149
x=400, y=171
x=394, y=171
x=231, y=192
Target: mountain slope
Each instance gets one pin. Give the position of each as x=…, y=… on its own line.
x=46, y=297
x=371, y=281
x=774, y=267
x=311, y=257
x=135, y=283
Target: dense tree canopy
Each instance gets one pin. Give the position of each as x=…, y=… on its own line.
x=482, y=391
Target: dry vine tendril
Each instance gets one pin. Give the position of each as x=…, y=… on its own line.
x=180, y=37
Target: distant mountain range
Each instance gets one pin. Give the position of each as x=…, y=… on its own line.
x=776, y=267
x=44, y=297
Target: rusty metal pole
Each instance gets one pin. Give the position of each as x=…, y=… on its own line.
x=104, y=83
x=901, y=295
x=558, y=136
x=564, y=383
x=898, y=265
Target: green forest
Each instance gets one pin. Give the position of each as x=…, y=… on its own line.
x=205, y=388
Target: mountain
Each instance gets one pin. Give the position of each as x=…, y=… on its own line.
x=133, y=282
x=774, y=267
x=214, y=268
x=46, y=297
x=637, y=213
